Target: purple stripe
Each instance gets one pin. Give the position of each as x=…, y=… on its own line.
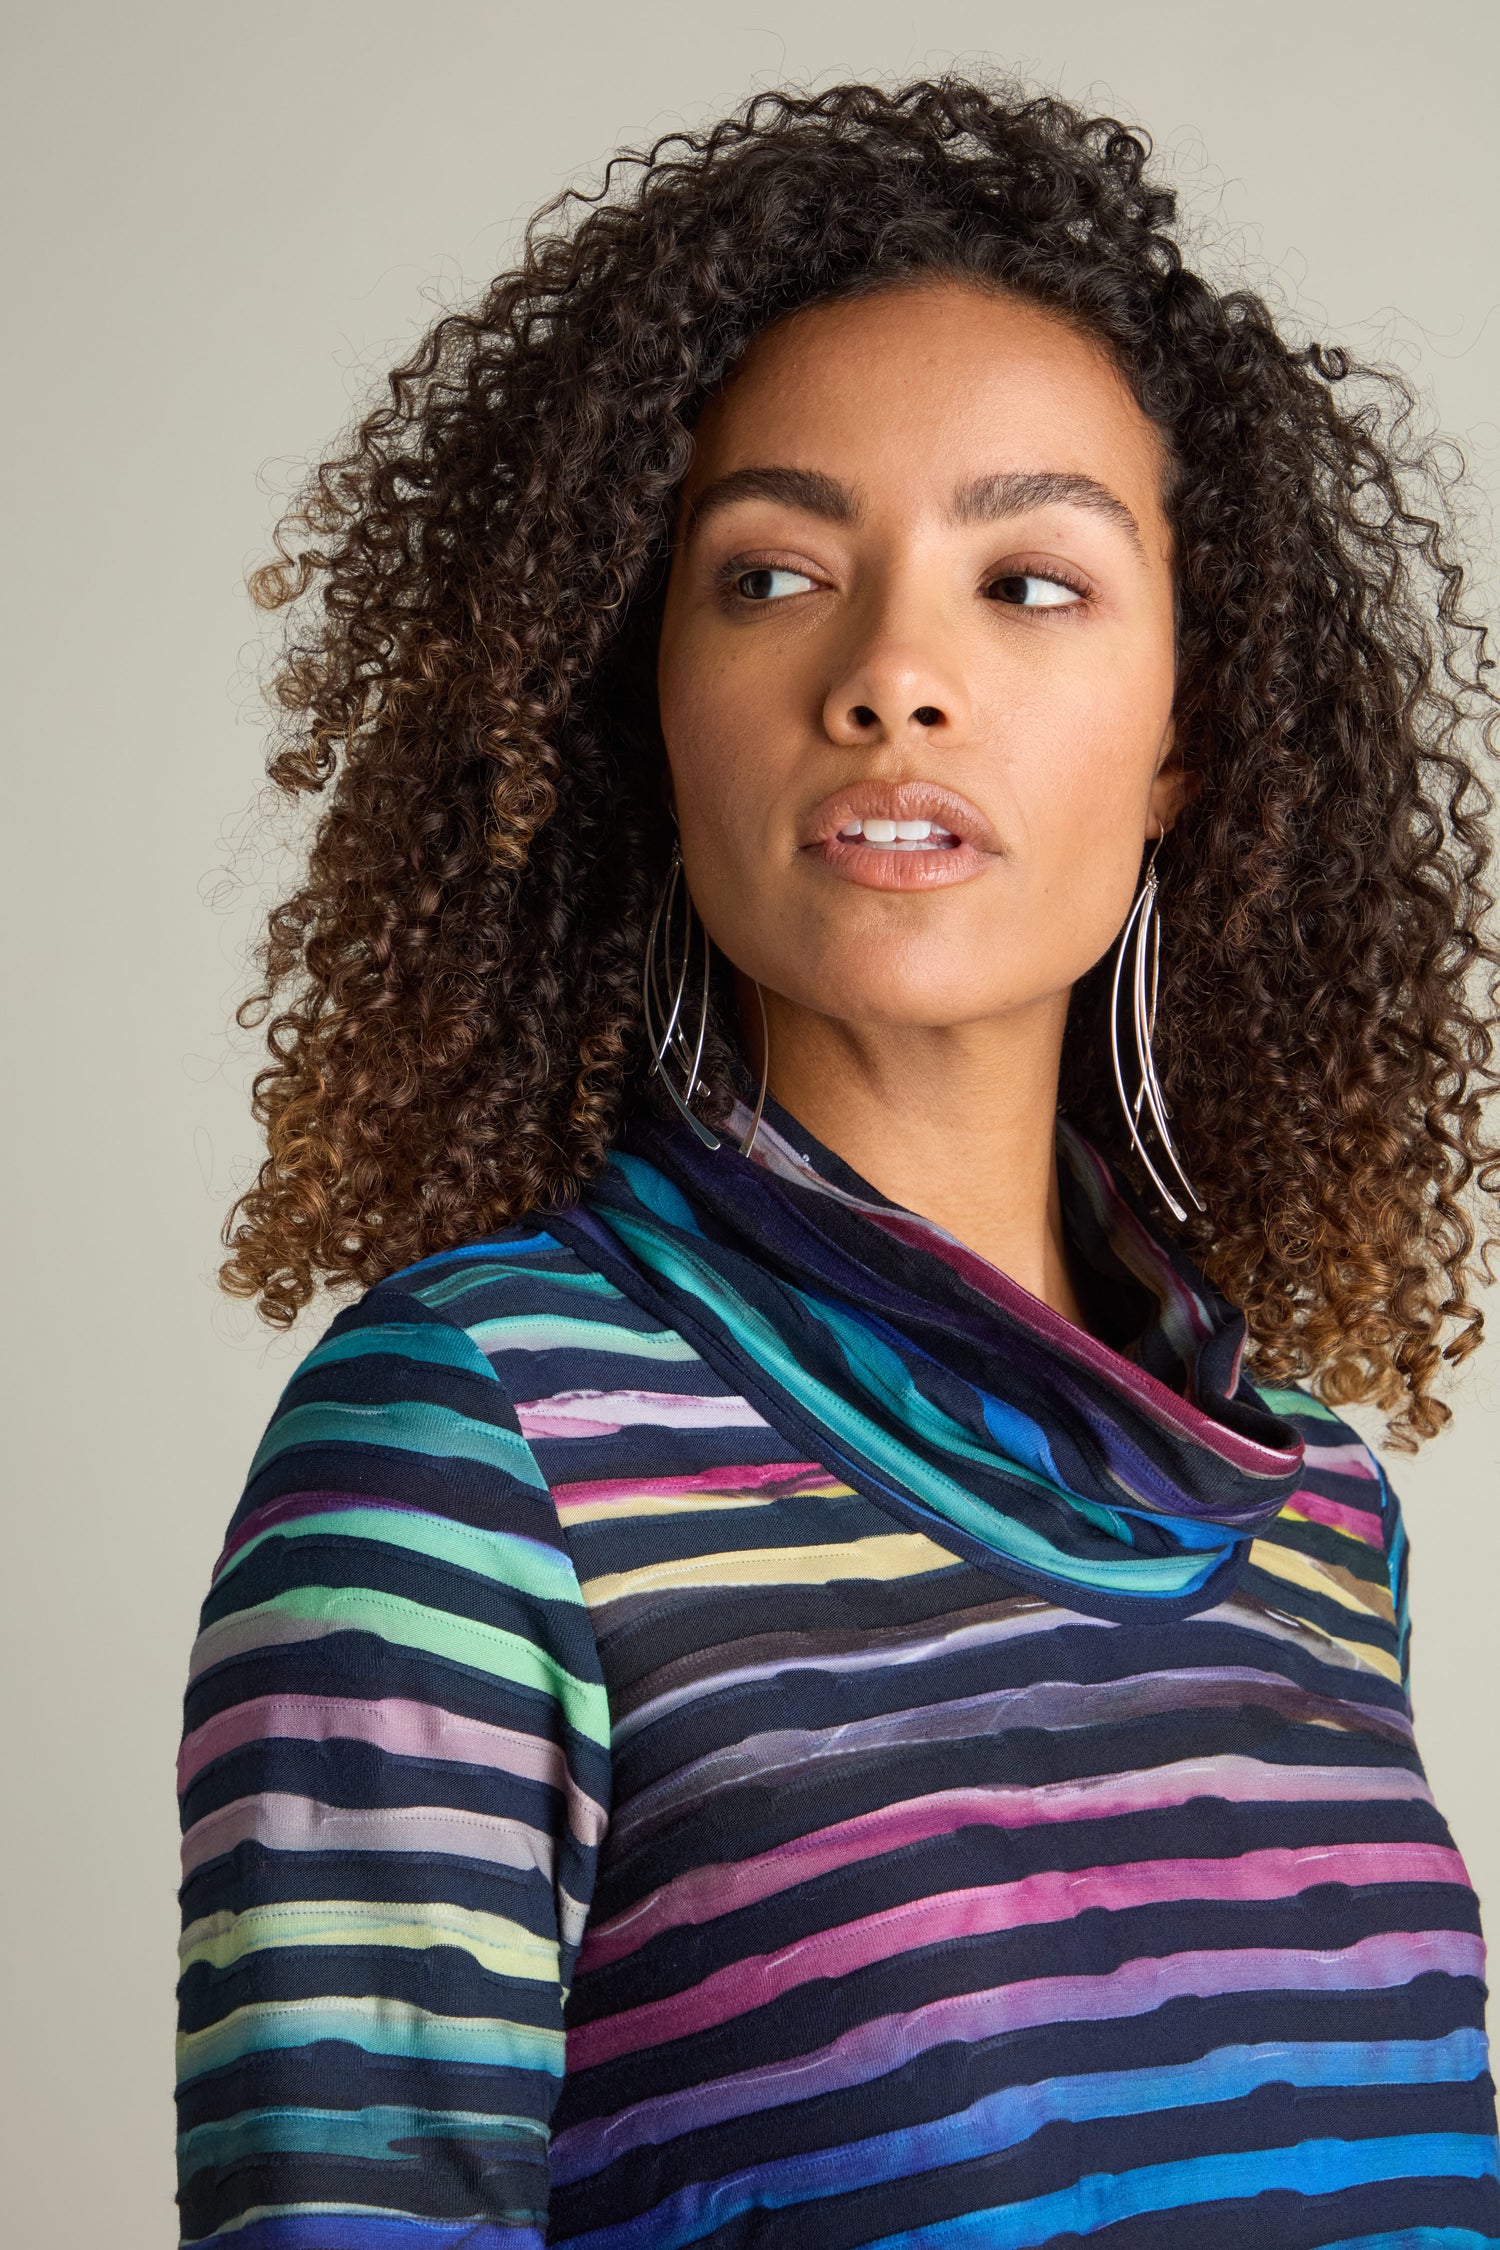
x=883, y=2045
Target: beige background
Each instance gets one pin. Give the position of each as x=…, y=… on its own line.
x=223, y=220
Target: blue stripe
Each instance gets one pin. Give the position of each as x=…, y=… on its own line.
x=493, y=1249
x=1005, y=2119
x=1105, y=2198
x=1418, y=2238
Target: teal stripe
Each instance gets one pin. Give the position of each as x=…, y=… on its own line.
x=504, y=1558
x=1163, y=1574
x=1105, y=2198
x=555, y=1332
x=363, y=2133
x=378, y=2026
x=657, y=1193
x=451, y=1287
x=426, y=1341
x=405, y=1426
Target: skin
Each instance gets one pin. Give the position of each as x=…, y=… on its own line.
x=1018, y=649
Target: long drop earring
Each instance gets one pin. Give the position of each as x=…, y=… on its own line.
x=1142, y=933
x=665, y=972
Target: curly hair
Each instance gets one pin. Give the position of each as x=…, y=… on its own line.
x=451, y=997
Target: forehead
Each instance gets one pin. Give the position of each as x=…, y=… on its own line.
x=927, y=384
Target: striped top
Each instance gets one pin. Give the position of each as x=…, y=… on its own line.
x=608, y=1823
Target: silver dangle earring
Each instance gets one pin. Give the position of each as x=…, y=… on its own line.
x=665, y=1004
x=1143, y=928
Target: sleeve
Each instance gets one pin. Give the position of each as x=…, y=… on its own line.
x=393, y=1780
x=1397, y=1565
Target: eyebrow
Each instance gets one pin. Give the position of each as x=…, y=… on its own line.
x=808, y=489
x=1009, y=492
x=1013, y=491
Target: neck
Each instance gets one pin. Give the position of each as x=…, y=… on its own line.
x=955, y=1122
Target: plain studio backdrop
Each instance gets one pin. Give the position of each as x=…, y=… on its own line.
x=224, y=221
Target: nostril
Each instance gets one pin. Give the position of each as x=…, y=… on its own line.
x=928, y=715
x=863, y=716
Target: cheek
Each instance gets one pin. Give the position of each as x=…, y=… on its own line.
x=726, y=747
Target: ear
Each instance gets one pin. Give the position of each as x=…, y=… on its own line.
x=1171, y=789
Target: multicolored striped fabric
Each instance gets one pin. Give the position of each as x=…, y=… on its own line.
x=610, y=1819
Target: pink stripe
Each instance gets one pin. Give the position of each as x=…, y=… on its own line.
x=985, y=1910
x=707, y=1892
x=736, y=1476
x=602, y=1413
x=406, y=1729
x=1338, y=1515
x=292, y=1505
x=1344, y=1460
x=886, y=2043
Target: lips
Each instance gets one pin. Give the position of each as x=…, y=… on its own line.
x=900, y=801
x=969, y=846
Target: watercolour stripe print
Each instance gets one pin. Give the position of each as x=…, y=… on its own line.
x=604, y=1824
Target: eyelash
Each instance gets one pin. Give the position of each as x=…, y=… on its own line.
x=743, y=566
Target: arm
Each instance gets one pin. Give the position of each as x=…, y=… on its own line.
x=1397, y=1563
x=393, y=1783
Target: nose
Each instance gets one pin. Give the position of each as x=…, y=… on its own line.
x=893, y=693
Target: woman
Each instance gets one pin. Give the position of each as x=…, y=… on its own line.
x=893, y=954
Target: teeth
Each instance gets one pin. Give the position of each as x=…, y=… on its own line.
x=905, y=835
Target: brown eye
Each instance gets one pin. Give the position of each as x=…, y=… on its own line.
x=769, y=585
x=1027, y=589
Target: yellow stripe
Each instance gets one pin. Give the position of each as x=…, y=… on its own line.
x=1319, y=1578
x=899, y=1554
x=504, y=1947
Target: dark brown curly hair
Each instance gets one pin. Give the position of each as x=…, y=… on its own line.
x=453, y=992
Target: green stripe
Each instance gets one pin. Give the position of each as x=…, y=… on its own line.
x=1284, y=1401
x=505, y=1558
x=381, y=2026
x=404, y=1426
x=457, y=1640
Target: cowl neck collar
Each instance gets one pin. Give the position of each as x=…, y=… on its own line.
x=1103, y=1473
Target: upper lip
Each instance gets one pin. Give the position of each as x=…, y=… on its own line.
x=900, y=800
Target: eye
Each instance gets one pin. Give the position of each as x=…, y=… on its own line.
x=1028, y=589
x=767, y=584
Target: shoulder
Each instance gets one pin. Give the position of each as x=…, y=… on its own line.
x=1344, y=1516
x=1339, y=1469
x=404, y=1398
x=469, y=1357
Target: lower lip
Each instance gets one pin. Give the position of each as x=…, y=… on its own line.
x=880, y=869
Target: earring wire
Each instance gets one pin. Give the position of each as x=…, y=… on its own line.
x=662, y=1005
x=1142, y=925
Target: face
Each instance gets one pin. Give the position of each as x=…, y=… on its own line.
x=916, y=663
